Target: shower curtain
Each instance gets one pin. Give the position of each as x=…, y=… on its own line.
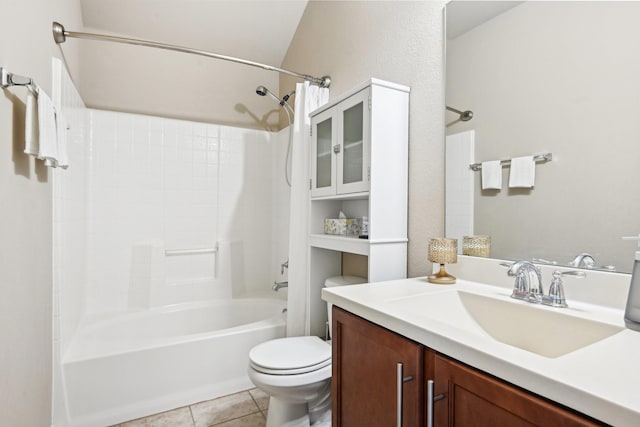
x=308, y=98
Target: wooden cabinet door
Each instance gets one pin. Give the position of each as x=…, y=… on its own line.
x=365, y=375
x=472, y=398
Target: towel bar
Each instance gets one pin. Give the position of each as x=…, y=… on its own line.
x=10, y=79
x=542, y=158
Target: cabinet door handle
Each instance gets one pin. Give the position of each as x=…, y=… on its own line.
x=430, y=400
x=336, y=148
x=430, y=403
x=399, y=382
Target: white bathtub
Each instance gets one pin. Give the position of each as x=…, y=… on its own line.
x=146, y=362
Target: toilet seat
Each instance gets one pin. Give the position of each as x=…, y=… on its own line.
x=290, y=356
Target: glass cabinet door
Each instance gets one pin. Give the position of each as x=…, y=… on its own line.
x=352, y=144
x=353, y=167
x=323, y=165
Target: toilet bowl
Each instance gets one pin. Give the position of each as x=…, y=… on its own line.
x=296, y=373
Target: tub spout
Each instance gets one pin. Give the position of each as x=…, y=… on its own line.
x=277, y=285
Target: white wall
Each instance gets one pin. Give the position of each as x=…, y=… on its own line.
x=399, y=41
x=26, y=48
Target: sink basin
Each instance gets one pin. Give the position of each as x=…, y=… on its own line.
x=546, y=332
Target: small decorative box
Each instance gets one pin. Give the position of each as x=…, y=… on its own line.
x=343, y=226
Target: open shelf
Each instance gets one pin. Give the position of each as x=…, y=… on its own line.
x=352, y=245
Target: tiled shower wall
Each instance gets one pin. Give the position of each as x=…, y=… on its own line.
x=138, y=185
x=70, y=213
x=159, y=184
x=69, y=228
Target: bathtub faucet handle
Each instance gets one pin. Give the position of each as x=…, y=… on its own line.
x=283, y=266
x=277, y=285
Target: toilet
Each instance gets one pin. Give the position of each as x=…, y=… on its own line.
x=296, y=373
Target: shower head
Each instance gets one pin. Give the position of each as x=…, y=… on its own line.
x=263, y=91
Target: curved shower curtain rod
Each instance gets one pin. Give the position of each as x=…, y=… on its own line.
x=60, y=36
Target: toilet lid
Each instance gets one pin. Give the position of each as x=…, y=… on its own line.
x=292, y=355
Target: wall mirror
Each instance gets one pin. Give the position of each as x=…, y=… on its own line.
x=550, y=77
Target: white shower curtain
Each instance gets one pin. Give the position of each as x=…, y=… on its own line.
x=308, y=98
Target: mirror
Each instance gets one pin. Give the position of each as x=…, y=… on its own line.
x=549, y=77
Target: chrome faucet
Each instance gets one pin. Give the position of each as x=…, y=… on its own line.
x=277, y=285
x=526, y=288
x=583, y=260
x=283, y=266
x=528, y=284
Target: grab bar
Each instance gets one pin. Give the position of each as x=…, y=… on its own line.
x=191, y=251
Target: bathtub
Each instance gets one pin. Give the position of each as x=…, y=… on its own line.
x=141, y=363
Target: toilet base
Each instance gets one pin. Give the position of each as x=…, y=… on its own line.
x=283, y=414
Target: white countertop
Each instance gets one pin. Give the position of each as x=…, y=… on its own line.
x=601, y=380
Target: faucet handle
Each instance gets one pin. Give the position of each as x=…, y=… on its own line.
x=556, y=290
x=520, y=286
x=544, y=261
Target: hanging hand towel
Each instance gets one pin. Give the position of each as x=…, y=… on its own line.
x=523, y=172
x=492, y=175
x=48, y=148
x=61, y=136
x=31, y=145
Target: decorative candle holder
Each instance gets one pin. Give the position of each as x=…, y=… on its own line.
x=443, y=251
x=476, y=246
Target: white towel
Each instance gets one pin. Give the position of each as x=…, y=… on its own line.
x=48, y=148
x=61, y=137
x=523, y=172
x=31, y=144
x=492, y=175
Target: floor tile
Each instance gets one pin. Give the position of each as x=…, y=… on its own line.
x=223, y=409
x=180, y=417
x=261, y=398
x=253, y=420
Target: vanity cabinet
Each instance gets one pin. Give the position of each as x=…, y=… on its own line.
x=377, y=375
x=367, y=384
x=464, y=396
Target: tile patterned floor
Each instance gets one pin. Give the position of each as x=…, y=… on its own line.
x=244, y=409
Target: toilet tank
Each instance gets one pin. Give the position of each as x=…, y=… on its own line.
x=340, y=281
